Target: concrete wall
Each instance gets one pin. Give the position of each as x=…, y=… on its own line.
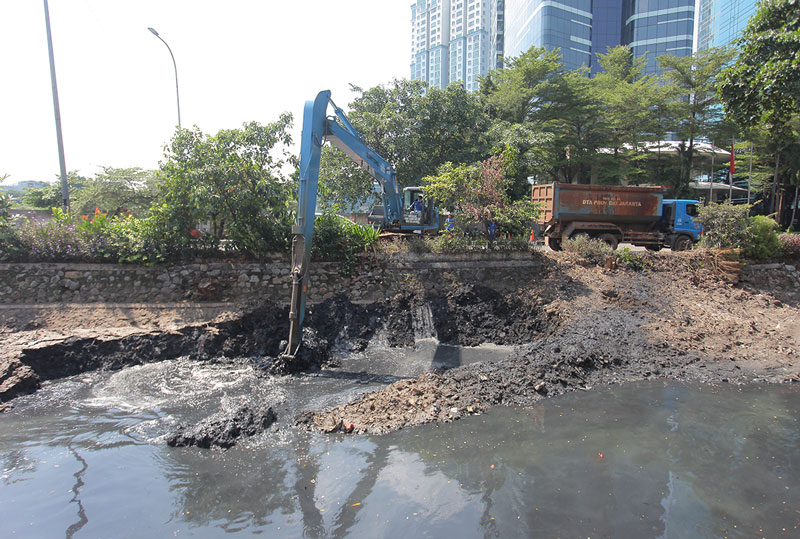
x=222, y=281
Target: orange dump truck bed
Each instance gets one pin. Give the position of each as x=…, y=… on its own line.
x=564, y=202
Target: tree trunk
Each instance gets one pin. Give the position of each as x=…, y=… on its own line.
x=794, y=206
x=773, y=203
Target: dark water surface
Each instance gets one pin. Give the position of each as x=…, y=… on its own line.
x=85, y=457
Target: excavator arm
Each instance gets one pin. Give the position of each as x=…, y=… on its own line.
x=318, y=128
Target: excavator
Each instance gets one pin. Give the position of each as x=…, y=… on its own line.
x=401, y=212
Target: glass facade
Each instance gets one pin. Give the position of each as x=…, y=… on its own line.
x=561, y=24
x=583, y=28
x=606, y=28
x=722, y=21
x=656, y=27
x=496, y=29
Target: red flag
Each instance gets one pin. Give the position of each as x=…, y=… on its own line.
x=733, y=165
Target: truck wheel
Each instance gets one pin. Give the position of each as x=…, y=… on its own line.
x=610, y=240
x=554, y=244
x=682, y=243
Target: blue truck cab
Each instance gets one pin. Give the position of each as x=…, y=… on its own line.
x=679, y=226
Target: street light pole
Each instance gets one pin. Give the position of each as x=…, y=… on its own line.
x=177, y=94
x=57, y=110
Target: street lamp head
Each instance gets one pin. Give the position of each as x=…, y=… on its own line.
x=153, y=31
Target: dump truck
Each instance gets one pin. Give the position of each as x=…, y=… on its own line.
x=615, y=214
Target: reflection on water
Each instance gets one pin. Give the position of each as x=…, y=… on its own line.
x=84, y=458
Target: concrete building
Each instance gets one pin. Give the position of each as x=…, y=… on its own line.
x=454, y=40
x=722, y=21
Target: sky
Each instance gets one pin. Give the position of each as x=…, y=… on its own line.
x=237, y=61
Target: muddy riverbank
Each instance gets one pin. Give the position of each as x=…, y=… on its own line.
x=573, y=327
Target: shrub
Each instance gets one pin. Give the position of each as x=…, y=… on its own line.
x=790, y=244
x=65, y=239
x=337, y=238
x=632, y=260
x=762, y=241
x=724, y=225
x=590, y=249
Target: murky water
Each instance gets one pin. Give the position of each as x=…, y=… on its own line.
x=85, y=458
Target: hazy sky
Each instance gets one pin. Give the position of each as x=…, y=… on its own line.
x=238, y=60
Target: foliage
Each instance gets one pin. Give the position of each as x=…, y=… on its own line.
x=9, y=241
x=592, y=250
x=693, y=110
x=480, y=193
x=50, y=195
x=762, y=239
x=763, y=83
x=632, y=260
x=456, y=241
x=5, y=205
x=94, y=238
x=116, y=191
x=412, y=126
x=65, y=239
x=338, y=238
x=790, y=244
x=233, y=182
x=761, y=88
x=730, y=226
x=632, y=105
x=724, y=225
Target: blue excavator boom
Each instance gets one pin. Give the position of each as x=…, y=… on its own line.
x=317, y=129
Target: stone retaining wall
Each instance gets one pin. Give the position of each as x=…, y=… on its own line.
x=374, y=277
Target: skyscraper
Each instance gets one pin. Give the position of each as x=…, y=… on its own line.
x=430, y=40
x=722, y=21
x=454, y=40
x=583, y=28
x=562, y=24
x=656, y=27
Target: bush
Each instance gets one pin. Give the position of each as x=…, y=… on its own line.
x=632, y=260
x=592, y=250
x=65, y=239
x=724, y=225
x=337, y=238
x=762, y=241
x=790, y=244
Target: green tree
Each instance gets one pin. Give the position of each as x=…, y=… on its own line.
x=117, y=191
x=411, y=125
x=49, y=196
x=480, y=194
x=232, y=180
x=694, y=110
x=632, y=104
x=762, y=87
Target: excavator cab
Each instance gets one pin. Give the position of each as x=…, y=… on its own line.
x=417, y=214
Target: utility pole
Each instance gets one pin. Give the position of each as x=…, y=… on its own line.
x=61, y=160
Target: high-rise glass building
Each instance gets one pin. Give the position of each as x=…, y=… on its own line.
x=657, y=27
x=497, y=33
x=722, y=21
x=562, y=24
x=454, y=40
x=430, y=41
x=460, y=40
x=583, y=28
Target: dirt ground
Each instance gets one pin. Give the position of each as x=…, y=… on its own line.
x=686, y=316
